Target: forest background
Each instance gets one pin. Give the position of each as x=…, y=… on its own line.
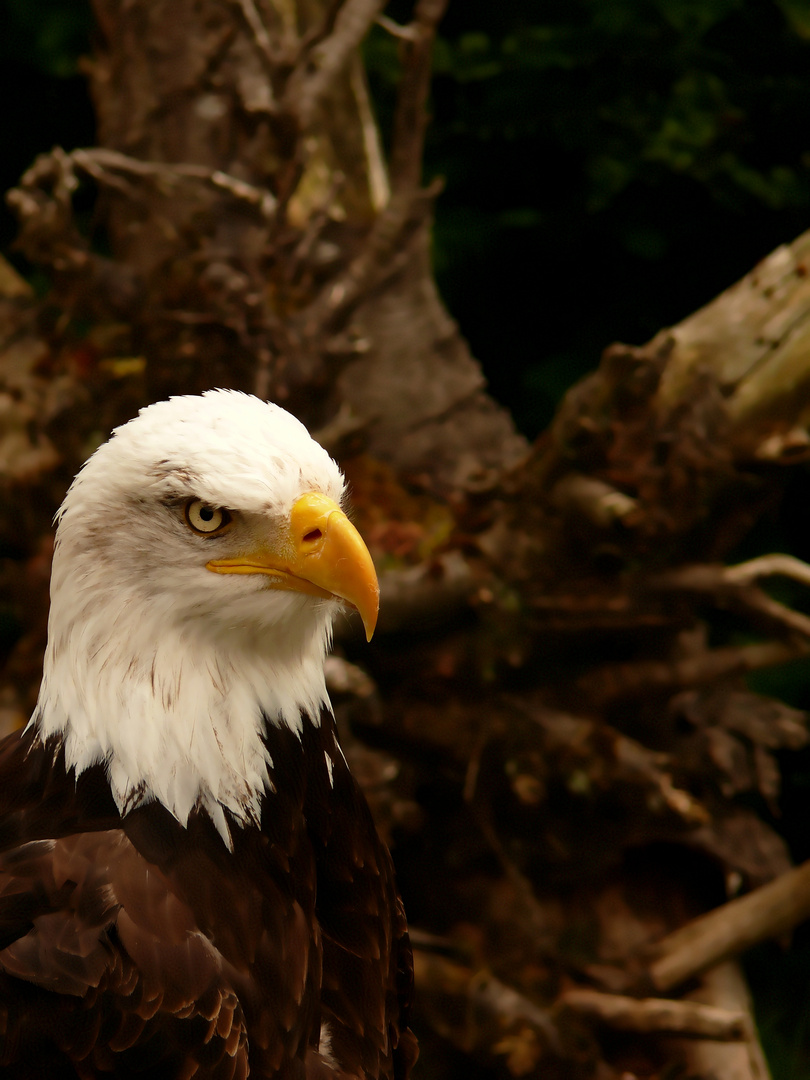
x=608, y=167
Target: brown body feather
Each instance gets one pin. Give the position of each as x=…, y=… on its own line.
x=132, y=946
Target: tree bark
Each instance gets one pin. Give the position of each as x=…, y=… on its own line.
x=257, y=240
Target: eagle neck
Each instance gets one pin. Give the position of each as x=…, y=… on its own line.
x=178, y=714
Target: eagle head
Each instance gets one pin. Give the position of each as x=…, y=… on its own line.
x=201, y=556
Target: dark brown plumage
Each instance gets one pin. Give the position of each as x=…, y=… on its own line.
x=133, y=946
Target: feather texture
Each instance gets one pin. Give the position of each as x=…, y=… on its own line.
x=139, y=943
x=191, y=884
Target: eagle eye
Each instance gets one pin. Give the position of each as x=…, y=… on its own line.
x=203, y=518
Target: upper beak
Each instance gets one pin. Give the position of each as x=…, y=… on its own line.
x=322, y=555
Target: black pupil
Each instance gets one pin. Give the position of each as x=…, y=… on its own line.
x=206, y=513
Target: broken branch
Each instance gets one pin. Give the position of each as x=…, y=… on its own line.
x=735, y=585
x=647, y=1015
x=103, y=164
x=774, y=565
x=98, y=162
x=727, y=931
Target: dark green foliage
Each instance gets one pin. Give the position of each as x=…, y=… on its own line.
x=49, y=35
x=45, y=98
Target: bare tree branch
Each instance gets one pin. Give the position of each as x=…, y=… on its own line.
x=99, y=163
x=765, y=913
x=258, y=30
x=310, y=84
x=384, y=253
x=734, y=586
x=43, y=197
x=775, y=565
x=405, y=33
x=410, y=118
x=655, y=1014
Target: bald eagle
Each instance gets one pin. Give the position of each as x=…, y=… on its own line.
x=191, y=884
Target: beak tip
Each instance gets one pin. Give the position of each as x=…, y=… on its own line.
x=369, y=617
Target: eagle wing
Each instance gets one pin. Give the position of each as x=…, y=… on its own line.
x=145, y=946
x=103, y=966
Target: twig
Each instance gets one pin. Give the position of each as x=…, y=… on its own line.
x=656, y=1015
x=765, y=913
x=735, y=584
x=758, y=602
x=319, y=67
x=258, y=30
x=410, y=117
x=404, y=33
x=774, y=565
x=97, y=162
x=378, y=186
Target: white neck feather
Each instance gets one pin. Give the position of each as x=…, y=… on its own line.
x=174, y=709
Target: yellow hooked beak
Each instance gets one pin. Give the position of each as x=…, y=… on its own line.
x=322, y=554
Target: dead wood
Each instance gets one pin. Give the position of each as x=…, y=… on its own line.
x=768, y=912
x=733, y=587
x=724, y=987
x=646, y=1015
x=489, y=1020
